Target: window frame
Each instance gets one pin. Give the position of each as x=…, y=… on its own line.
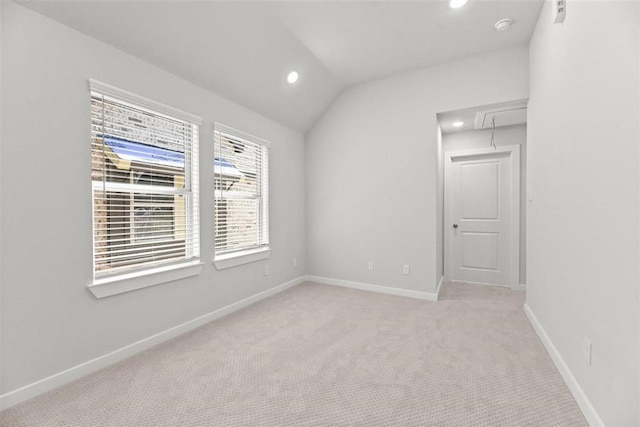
x=141, y=276
x=240, y=256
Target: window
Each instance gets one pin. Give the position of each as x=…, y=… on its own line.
x=241, y=193
x=144, y=174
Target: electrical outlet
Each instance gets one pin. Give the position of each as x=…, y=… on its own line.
x=406, y=270
x=370, y=265
x=559, y=10
x=266, y=270
x=587, y=352
x=295, y=262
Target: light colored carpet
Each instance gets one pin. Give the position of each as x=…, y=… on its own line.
x=324, y=355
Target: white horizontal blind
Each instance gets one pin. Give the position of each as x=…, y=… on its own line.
x=241, y=170
x=144, y=174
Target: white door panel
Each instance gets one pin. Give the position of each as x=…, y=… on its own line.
x=479, y=187
x=481, y=210
x=480, y=251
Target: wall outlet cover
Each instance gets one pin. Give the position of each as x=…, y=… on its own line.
x=559, y=11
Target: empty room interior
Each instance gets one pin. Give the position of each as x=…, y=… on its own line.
x=361, y=213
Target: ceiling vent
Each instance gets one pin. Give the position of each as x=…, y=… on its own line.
x=503, y=116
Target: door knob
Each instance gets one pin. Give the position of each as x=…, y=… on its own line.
x=455, y=225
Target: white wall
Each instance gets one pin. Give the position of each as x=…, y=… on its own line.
x=439, y=209
x=372, y=174
x=509, y=135
x=583, y=246
x=50, y=321
x=1, y=185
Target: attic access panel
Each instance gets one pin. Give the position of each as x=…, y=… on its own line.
x=503, y=116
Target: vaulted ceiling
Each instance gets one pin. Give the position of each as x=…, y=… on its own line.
x=244, y=50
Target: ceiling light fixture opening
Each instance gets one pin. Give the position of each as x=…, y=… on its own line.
x=456, y=4
x=503, y=24
x=292, y=77
x=457, y=124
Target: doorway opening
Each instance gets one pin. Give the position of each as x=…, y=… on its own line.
x=481, y=210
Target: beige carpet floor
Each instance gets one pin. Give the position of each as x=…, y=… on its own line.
x=322, y=355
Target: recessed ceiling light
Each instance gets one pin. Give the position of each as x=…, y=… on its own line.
x=455, y=4
x=292, y=77
x=503, y=24
x=457, y=124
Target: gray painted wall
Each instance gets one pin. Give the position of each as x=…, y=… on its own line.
x=583, y=151
x=439, y=210
x=372, y=168
x=509, y=135
x=50, y=321
x=2, y=23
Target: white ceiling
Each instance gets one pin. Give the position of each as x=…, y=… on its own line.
x=243, y=50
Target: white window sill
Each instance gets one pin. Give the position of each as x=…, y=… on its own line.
x=129, y=282
x=226, y=261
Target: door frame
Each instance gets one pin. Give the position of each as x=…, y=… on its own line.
x=513, y=152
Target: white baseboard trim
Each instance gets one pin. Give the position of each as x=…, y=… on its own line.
x=440, y=283
x=32, y=390
x=374, y=288
x=578, y=394
x=518, y=287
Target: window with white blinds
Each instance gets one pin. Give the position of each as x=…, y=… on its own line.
x=241, y=192
x=144, y=173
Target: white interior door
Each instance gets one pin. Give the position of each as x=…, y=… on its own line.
x=482, y=215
